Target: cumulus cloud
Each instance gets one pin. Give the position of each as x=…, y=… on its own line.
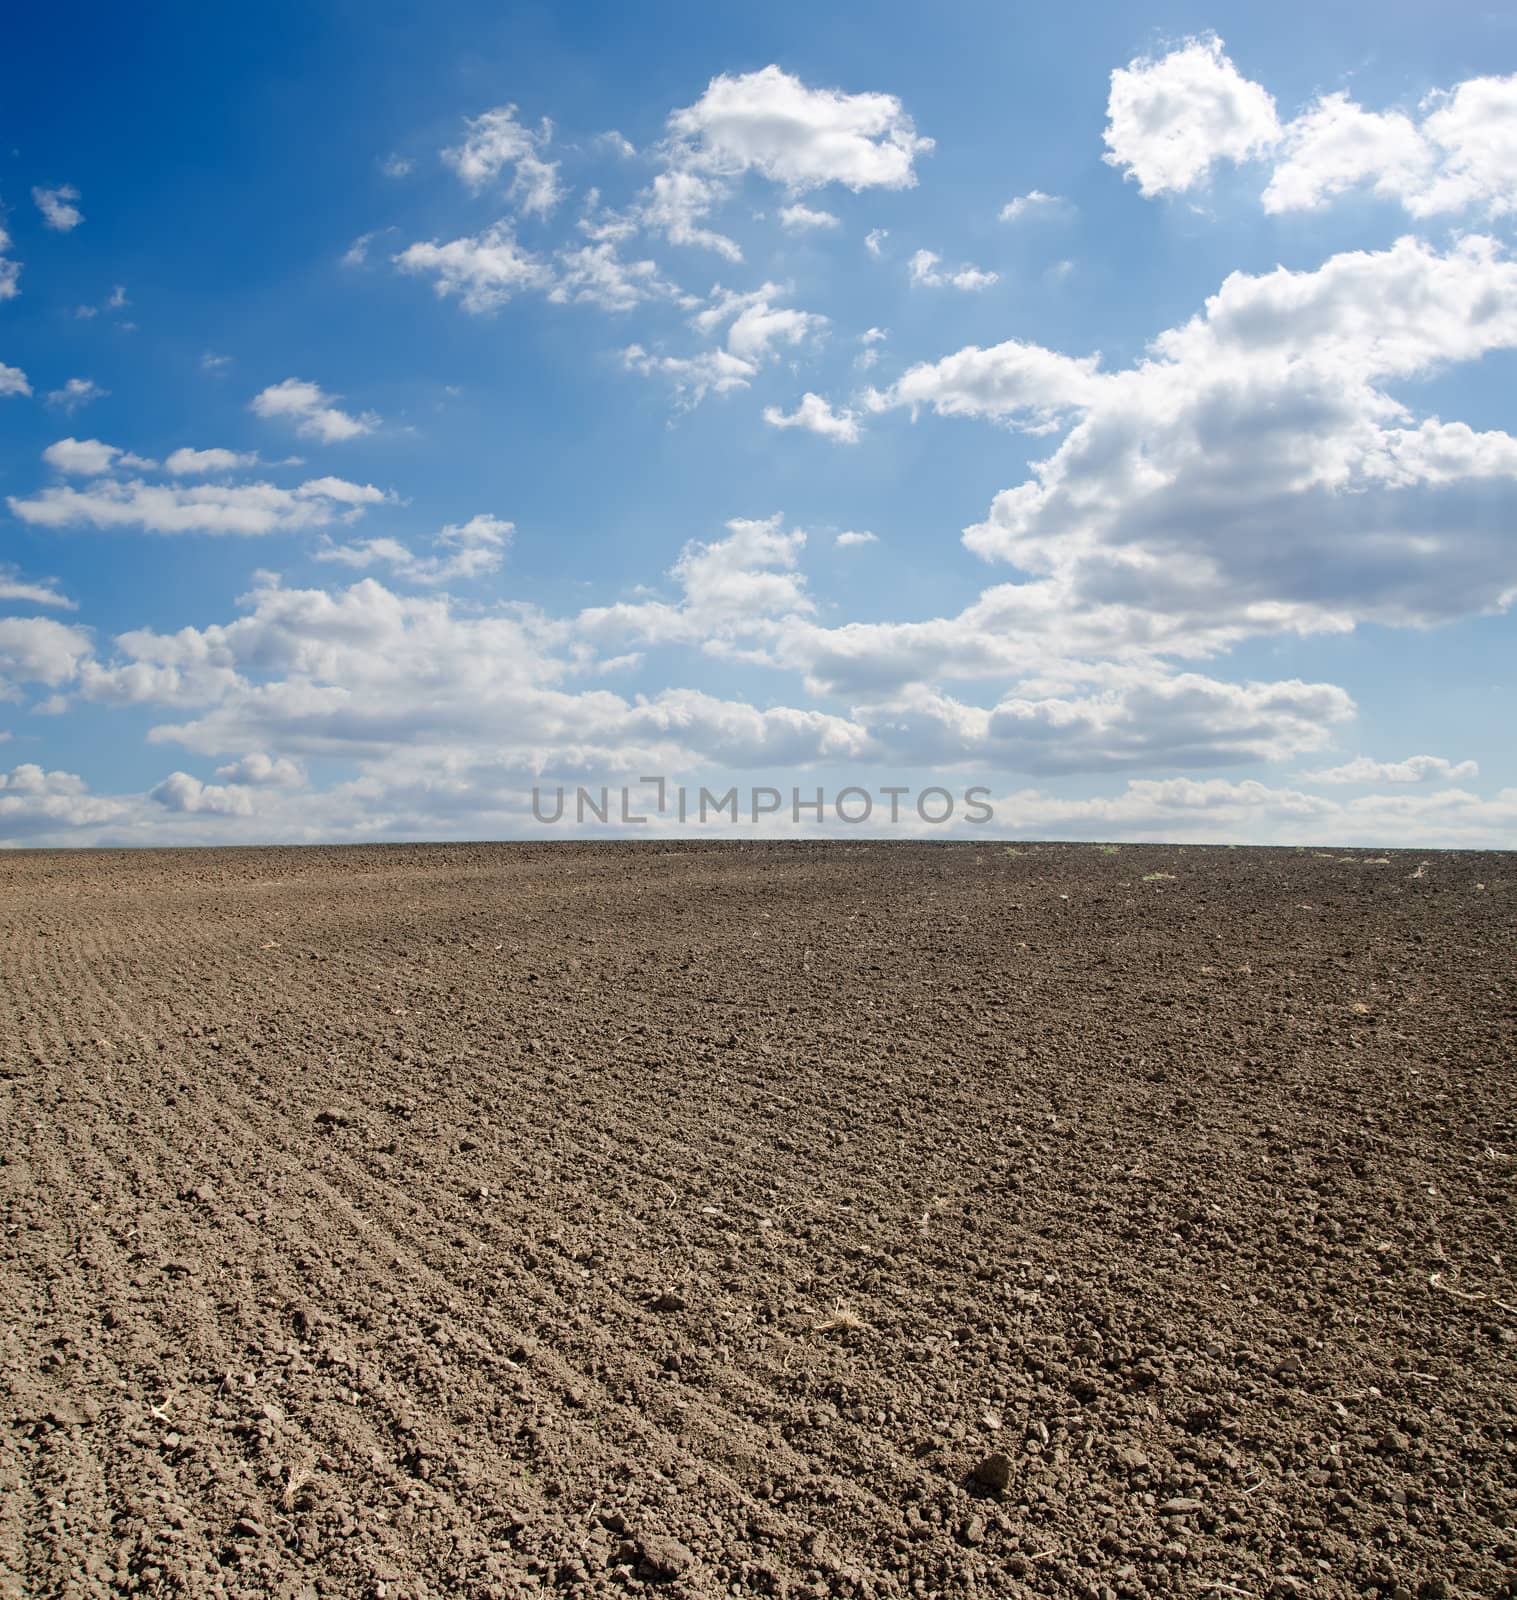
x=1171, y=119
x=755, y=323
x=88, y=458
x=1035, y=203
x=465, y=550
x=816, y=415
x=59, y=207
x=75, y=393
x=10, y=274
x=1415, y=769
x=16, y=589
x=39, y=650
x=770, y=122
x=800, y=218
x=312, y=411
x=693, y=377
x=180, y=792
x=599, y=275
x=13, y=379
x=484, y=271
x=729, y=587
x=1459, y=156
x=874, y=241
x=676, y=205
x=418, y=693
x=1022, y=384
x=870, y=341
x=1254, y=467
x=247, y=508
x=34, y=802
x=258, y=769
x=852, y=539
x=925, y=268
x=757, y=328
x=1154, y=719
x=496, y=140
x=187, y=463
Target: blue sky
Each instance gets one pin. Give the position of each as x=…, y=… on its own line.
x=401, y=411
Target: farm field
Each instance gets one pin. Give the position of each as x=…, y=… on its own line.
x=775, y=1219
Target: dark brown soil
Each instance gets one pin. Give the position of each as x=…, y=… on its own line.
x=832, y=1220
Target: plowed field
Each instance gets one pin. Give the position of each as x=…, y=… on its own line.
x=828, y=1220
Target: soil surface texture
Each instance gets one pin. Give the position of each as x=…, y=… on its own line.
x=768, y=1219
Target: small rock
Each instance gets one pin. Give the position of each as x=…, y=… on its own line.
x=663, y=1559
x=246, y=1528
x=1181, y=1507
x=993, y=1473
x=973, y=1531
x=669, y=1300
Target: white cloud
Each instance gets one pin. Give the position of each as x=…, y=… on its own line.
x=815, y=415
x=250, y=508
x=1459, y=157
x=597, y=274
x=57, y=206
x=1172, y=119
x=311, y=409
x=804, y=219
x=434, y=702
x=1216, y=811
x=14, y=587
x=10, y=273
x=874, y=241
x=210, y=361
x=755, y=323
x=618, y=144
x=694, y=377
x=180, y=792
x=496, y=140
x=1018, y=383
x=1415, y=769
x=395, y=166
x=39, y=650
x=1337, y=145
x=75, y=393
x=187, y=463
x=13, y=379
x=258, y=769
x=728, y=586
x=88, y=458
x=1033, y=204
x=467, y=550
x=756, y=330
x=770, y=122
x=869, y=355
x=676, y=205
x=484, y=271
x=924, y=269
x=1184, y=720
x=34, y=802
x=357, y=253
x=851, y=539
x=1253, y=469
